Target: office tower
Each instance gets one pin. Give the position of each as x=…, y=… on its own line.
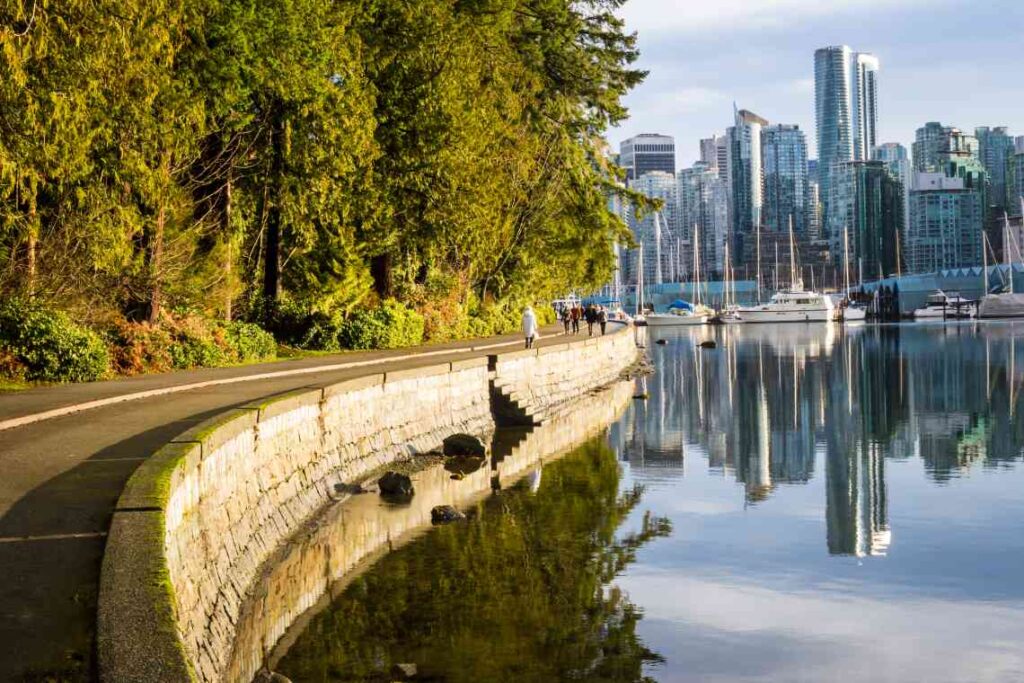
x=657, y=231
x=704, y=204
x=895, y=157
x=995, y=148
x=814, y=226
x=746, y=183
x=867, y=202
x=832, y=112
x=709, y=151
x=1015, y=179
x=784, y=155
x=647, y=152
x=946, y=220
x=934, y=144
x=864, y=104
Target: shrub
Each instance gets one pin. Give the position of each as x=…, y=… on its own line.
x=141, y=347
x=49, y=346
x=250, y=342
x=389, y=326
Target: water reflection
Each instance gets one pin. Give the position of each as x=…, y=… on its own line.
x=520, y=594
x=764, y=404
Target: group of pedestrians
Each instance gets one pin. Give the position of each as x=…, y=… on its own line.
x=571, y=317
x=592, y=315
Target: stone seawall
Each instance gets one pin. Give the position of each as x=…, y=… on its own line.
x=204, y=522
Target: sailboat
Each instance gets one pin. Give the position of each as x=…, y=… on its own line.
x=730, y=311
x=638, y=315
x=792, y=305
x=681, y=313
x=1004, y=304
x=848, y=312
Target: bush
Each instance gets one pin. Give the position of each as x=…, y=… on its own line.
x=390, y=326
x=250, y=342
x=49, y=346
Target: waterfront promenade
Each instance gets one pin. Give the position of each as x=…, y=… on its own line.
x=63, y=473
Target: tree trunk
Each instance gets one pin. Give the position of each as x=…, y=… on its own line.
x=272, y=262
x=32, y=243
x=228, y=266
x=156, y=257
x=380, y=270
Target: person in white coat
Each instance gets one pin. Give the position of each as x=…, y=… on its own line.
x=529, y=326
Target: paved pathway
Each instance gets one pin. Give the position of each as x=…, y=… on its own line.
x=60, y=478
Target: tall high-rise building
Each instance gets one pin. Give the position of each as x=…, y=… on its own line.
x=657, y=231
x=647, y=152
x=864, y=104
x=934, y=144
x=995, y=148
x=746, y=181
x=895, y=157
x=704, y=206
x=946, y=220
x=784, y=156
x=1015, y=179
x=833, y=117
x=846, y=110
x=867, y=203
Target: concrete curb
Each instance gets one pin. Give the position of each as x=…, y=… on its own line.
x=140, y=395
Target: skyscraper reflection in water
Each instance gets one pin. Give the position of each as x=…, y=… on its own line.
x=774, y=405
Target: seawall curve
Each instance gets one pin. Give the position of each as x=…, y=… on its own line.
x=197, y=524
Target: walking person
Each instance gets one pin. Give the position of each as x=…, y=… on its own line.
x=602, y=318
x=529, y=326
x=591, y=317
x=575, y=315
x=566, y=318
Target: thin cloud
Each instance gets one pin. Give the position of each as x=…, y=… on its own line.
x=693, y=16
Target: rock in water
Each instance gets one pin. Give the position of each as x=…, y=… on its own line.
x=443, y=514
x=404, y=671
x=709, y=344
x=395, y=484
x=464, y=444
x=661, y=342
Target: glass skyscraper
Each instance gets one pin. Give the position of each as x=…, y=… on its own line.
x=935, y=143
x=846, y=110
x=784, y=154
x=995, y=149
x=866, y=202
x=895, y=157
x=657, y=231
x=746, y=182
x=704, y=204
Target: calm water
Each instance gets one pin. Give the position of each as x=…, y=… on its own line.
x=803, y=503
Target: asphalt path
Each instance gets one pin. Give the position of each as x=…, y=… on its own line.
x=60, y=478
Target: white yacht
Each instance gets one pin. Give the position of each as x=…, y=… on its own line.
x=792, y=306
x=942, y=305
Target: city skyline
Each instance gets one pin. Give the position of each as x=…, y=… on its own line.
x=689, y=93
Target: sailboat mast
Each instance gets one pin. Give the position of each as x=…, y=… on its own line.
x=846, y=260
x=984, y=261
x=1006, y=250
x=792, y=255
x=757, y=228
x=696, y=264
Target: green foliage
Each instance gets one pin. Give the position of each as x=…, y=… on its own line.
x=49, y=346
x=520, y=593
x=250, y=342
x=389, y=326
x=216, y=154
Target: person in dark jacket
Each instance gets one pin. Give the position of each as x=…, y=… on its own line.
x=566, y=318
x=591, y=318
x=602, y=318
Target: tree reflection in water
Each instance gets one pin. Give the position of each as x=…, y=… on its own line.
x=521, y=593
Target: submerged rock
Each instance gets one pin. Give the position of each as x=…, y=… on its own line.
x=709, y=344
x=464, y=464
x=464, y=444
x=353, y=489
x=404, y=671
x=395, y=484
x=443, y=514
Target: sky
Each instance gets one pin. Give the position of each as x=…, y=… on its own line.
x=953, y=61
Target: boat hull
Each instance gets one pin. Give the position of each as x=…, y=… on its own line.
x=675, y=320
x=818, y=315
x=1001, y=306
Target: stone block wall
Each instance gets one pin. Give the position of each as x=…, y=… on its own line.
x=200, y=527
